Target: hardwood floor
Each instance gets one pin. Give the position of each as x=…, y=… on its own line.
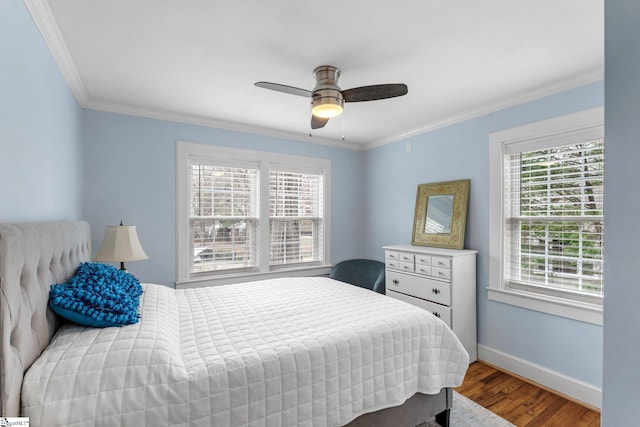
x=523, y=403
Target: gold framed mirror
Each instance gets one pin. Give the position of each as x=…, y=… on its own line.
x=441, y=214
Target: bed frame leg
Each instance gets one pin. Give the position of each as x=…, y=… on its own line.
x=443, y=418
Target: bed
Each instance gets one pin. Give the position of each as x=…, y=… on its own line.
x=275, y=352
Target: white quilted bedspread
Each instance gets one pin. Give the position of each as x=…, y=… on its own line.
x=282, y=352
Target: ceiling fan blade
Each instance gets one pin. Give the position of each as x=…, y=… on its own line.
x=284, y=88
x=318, y=122
x=371, y=93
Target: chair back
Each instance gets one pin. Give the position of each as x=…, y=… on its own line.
x=366, y=273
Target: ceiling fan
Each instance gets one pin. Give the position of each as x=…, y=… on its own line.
x=327, y=99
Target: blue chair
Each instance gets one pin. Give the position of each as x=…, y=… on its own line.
x=366, y=273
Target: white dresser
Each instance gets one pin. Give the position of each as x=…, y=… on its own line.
x=442, y=281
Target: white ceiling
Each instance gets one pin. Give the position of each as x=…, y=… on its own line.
x=196, y=61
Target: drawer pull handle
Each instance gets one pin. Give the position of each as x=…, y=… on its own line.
x=440, y=273
x=396, y=282
x=435, y=291
x=435, y=313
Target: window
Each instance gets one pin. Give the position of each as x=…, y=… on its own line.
x=554, y=222
x=223, y=218
x=248, y=215
x=295, y=217
x=547, y=216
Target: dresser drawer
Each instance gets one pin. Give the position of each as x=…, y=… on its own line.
x=393, y=264
x=420, y=286
x=440, y=311
x=405, y=257
x=391, y=256
x=405, y=266
x=423, y=259
x=423, y=269
x=441, y=273
x=441, y=262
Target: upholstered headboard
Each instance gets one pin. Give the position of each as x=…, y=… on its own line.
x=33, y=256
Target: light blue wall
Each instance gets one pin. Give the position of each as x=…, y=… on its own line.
x=462, y=151
x=40, y=127
x=622, y=213
x=129, y=175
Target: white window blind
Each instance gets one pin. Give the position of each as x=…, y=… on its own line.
x=223, y=217
x=295, y=217
x=554, y=221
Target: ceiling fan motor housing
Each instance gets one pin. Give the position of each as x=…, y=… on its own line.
x=327, y=100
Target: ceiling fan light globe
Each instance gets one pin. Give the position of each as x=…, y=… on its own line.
x=327, y=103
x=327, y=111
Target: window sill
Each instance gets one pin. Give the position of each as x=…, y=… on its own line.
x=226, y=279
x=584, y=312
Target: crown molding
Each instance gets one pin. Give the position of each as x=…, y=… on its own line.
x=506, y=102
x=46, y=23
x=216, y=123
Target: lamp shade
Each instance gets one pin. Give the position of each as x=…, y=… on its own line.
x=120, y=244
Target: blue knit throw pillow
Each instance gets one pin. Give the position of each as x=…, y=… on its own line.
x=97, y=295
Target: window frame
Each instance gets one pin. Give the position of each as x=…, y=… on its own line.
x=553, y=132
x=265, y=161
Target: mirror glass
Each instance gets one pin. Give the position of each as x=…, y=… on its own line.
x=439, y=213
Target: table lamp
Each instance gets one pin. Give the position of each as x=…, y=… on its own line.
x=120, y=244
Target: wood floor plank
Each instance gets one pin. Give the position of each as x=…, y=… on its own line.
x=589, y=418
x=520, y=402
x=546, y=399
x=570, y=414
x=544, y=419
x=523, y=403
x=595, y=423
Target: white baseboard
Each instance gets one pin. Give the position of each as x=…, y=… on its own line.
x=570, y=387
